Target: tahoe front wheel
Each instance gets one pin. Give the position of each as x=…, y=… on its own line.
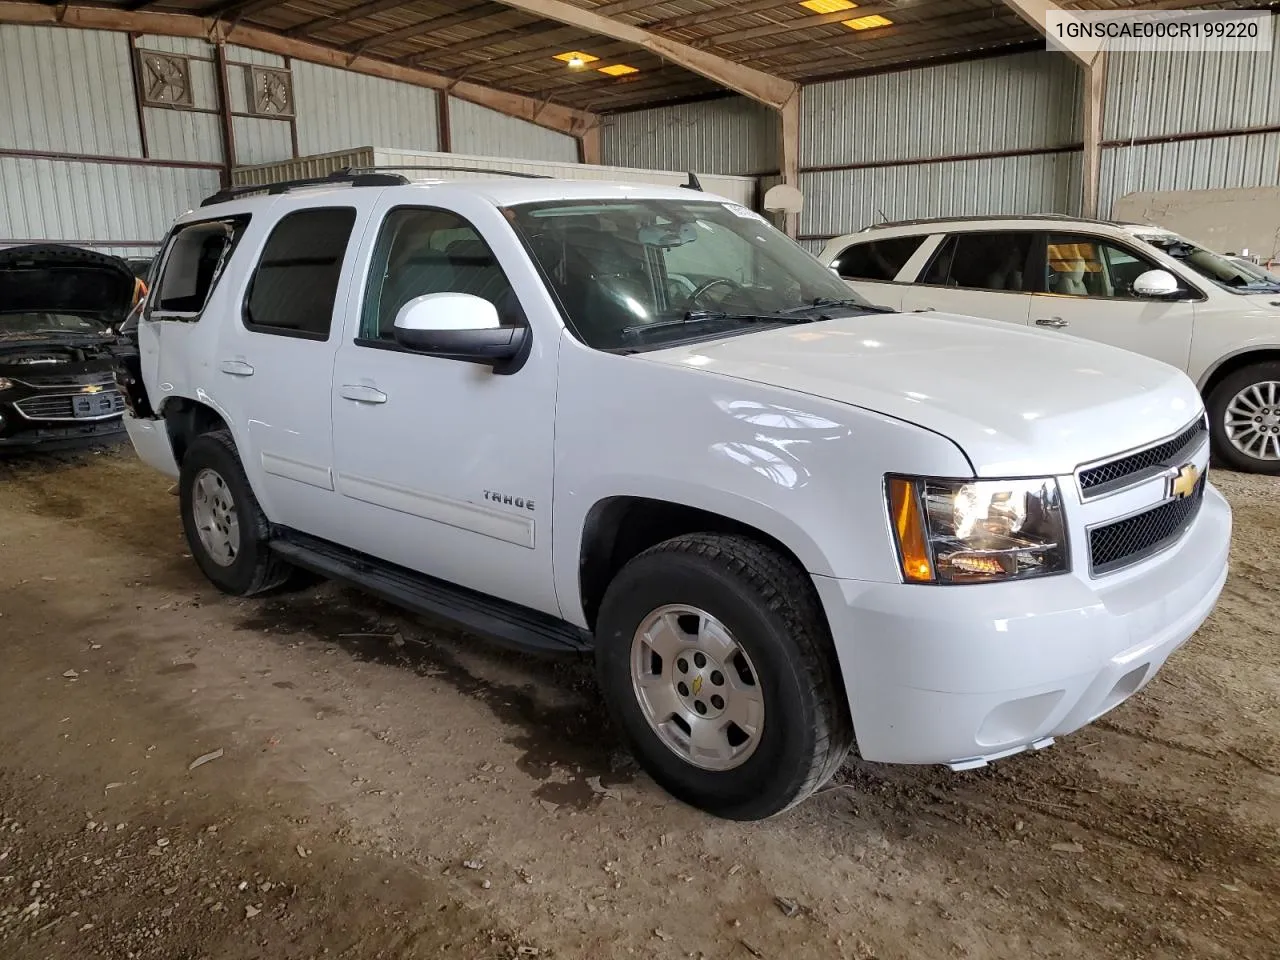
x=715, y=659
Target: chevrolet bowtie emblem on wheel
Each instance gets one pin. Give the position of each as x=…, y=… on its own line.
x=1183, y=482
x=697, y=685
x=92, y=388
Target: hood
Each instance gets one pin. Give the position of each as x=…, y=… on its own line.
x=1018, y=402
x=52, y=278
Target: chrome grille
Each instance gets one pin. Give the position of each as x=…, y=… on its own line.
x=60, y=407
x=99, y=379
x=1107, y=477
x=1115, y=545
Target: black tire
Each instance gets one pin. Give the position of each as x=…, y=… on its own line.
x=255, y=567
x=1223, y=450
x=772, y=610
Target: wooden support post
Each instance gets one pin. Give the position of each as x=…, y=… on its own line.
x=445, y=124
x=1094, y=89
x=589, y=146
x=789, y=154
x=224, y=111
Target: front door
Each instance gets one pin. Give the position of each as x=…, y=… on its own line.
x=1088, y=292
x=976, y=274
x=444, y=465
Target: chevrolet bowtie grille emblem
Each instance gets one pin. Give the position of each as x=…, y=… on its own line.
x=1182, y=484
x=92, y=388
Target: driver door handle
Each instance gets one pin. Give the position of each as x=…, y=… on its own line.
x=362, y=393
x=237, y=368
x=1055, y=322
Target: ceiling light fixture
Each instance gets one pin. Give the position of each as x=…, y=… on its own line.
x=868, y=22
x=575, y=59
x=618, y=70
x=827, y=6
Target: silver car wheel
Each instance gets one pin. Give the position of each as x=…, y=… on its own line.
x=697, y=688
x=214, y=513
x=1252, y=420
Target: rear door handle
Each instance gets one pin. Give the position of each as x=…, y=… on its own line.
x=1055, y=322
x=237, y=368
x=362, y=393
x=924, y=310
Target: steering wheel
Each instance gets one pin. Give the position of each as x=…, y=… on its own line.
x=711, y=284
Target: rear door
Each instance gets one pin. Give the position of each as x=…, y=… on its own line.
x=871, y=267
x=977, y=274
x=275, y=357
x=1087, y=291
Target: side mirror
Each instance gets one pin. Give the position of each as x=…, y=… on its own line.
x=459, y=326
x=1157, y=284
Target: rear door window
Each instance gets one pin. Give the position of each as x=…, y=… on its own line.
x=194, y=259
x=995, y=260
x=293, y=290
x=876, y=259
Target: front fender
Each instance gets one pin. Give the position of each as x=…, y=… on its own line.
x=807, y=471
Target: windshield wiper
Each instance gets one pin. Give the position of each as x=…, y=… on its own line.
x=708, y=316
x=819, y=302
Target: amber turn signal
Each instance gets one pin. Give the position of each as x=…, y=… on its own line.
x=908, y=524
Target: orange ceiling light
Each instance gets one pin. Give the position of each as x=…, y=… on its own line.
x=827, y=6
x=575, y=58
x=868, y=22
x=618, y=70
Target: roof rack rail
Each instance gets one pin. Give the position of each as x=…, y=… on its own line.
x=345, y=175
x=427, y=171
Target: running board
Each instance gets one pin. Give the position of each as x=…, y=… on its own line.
x=506, y=623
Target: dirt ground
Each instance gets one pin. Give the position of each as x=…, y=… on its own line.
x=381, y=787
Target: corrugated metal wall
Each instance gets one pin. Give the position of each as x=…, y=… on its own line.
x=69, y=94
x=338, y=109
x=99, y=203
x=991, y=136
x=67, y=91
x=732, y=135
x=1233, y=98
x=478, y=130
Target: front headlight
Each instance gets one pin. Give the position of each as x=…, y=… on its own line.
x=977, y=531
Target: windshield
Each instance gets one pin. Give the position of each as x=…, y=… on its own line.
x=1240, y=276
x=22, y=325
x=637, y=274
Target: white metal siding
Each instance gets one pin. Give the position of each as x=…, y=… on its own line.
x=238, y=87
x=1158, y=94
x=189, y=46
x=183, y=135
x=260, y=140
x=67, y=91
x=474, y=129
x=732, y=135
x=1018, y=102
x=1252, y=160
x=841, y=201
x=338, y=110
x=95, y=202
x=256, y=57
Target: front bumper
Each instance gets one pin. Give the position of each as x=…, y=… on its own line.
x=967, y=674
x=32, y=417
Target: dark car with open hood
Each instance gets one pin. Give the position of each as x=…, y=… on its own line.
x=61, y=309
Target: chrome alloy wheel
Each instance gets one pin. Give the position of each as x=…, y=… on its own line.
x=214, y=512
x=697, y=688
x=1252, y=420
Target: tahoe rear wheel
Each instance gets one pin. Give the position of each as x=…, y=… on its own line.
x=716, y=662
x=226, y=530
x=1244, y=419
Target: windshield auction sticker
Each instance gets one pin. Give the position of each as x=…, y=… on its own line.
x=1182, y=31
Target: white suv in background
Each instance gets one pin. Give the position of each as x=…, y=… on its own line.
x=643, y=423
x=1133, y=286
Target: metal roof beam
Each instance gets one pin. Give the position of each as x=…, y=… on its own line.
x=747, y=81
x=1035, y=13
x=554, y=116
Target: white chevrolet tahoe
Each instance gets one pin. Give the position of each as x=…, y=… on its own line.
x=642, y=422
